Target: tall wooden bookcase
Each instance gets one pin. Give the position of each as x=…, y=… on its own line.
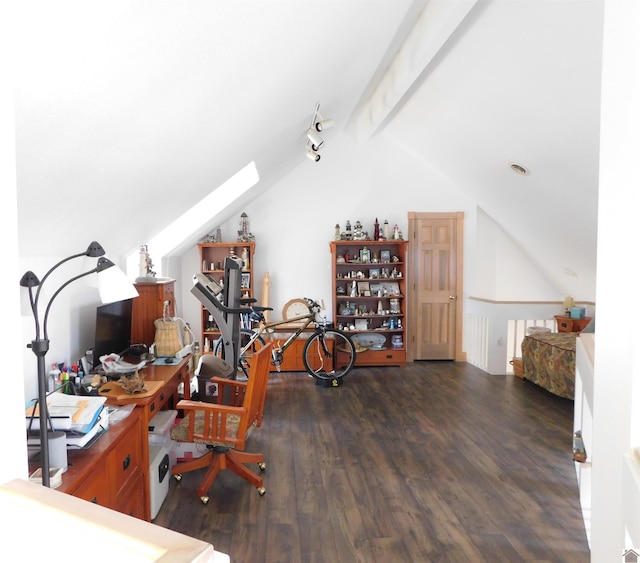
x=369, y=281
x=212, y=258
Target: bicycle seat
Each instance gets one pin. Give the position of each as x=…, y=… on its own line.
x=247, y=300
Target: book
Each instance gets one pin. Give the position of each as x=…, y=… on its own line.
x=84, y=440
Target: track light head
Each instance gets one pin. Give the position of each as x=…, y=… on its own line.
x=324, y=124
x=316, y=140
x=311, y=155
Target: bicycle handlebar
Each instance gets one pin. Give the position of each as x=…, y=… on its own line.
x=313, y=304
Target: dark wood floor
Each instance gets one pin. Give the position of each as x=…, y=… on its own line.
x=437, y=461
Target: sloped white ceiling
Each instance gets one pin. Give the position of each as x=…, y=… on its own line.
x=520, y=82
x=147, y=106
x=137, y=110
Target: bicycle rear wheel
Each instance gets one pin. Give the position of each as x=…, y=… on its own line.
x=329, y=354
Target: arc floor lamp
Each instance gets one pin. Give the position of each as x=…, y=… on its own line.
x=112, y=285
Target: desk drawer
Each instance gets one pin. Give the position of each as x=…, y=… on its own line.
x=131, y=499
x=94, y=489
x=125, y=460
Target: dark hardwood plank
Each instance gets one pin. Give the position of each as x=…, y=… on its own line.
x=437, y=461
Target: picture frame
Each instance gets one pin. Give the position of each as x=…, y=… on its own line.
x=363, y=289
x=361, y=324
x=392, y=288
x=385, y=256
x=375, y=288
x=245, y=281
x=365, y=255
x=374, y=273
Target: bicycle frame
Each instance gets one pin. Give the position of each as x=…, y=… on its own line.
x=265, y=328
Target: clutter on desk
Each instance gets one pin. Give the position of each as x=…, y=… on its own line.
x=114, y=364
x=133, y=383
x=82, y=419
x=118, y=414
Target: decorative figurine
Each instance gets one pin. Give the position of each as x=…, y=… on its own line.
x=347, y=230
x=358, y=233
x=245, y=259
x=376, y=230
x=385, y=230
x=145, y=265
x=336, y=233
x=244, y=235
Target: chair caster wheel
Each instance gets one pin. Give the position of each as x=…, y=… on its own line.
x=262, y=466
x=204, y=499
x=178, y=477
x=262, y=491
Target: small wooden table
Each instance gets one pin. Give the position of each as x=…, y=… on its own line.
x=568, y=324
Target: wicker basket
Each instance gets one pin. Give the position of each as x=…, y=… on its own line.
x=518, y=370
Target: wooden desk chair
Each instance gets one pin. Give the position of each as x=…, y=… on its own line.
x=224, y=428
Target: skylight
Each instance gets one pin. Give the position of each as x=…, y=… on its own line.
x=195, y=218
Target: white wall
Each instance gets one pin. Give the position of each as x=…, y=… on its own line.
x=14, y=459
x=294, y=221
x=617, y=343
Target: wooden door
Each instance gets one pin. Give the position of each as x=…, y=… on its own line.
x=436, y=285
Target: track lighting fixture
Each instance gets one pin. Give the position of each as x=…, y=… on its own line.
x=314, y=140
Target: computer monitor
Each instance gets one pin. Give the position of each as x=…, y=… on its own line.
x=113, y=329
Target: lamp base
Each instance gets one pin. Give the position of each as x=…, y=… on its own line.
x=55, y=477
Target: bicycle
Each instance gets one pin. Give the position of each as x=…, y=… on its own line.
x=328, y=354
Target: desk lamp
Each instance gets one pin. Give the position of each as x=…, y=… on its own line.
x=112, y=284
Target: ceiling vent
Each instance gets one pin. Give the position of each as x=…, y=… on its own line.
x=518, y=169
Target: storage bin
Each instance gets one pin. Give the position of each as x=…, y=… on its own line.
x=518, y=369
x=160, y=427
x=577, y=312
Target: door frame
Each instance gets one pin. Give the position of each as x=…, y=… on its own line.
x=414, y=218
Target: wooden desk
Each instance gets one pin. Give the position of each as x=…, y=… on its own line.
x=114, y=471
x=165, y=397
x=110, y=473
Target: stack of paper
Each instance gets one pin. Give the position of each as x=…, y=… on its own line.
x=82, y=418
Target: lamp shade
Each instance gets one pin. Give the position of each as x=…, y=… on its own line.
x=113, y=284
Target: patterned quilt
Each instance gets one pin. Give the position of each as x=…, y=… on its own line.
x=549, y=360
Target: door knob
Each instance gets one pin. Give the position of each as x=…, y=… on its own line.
x=452, y=297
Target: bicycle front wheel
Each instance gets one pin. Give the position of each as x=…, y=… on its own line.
x=329, y=354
